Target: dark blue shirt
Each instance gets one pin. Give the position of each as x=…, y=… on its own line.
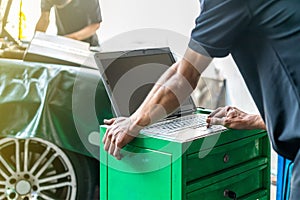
x=263, y=37
x=75, y=16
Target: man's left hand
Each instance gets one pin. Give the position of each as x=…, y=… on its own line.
x=232, y=117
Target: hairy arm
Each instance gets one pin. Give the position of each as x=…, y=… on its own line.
x=174, y=86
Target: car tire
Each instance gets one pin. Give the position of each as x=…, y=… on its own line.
x=87, y=173
x=34, y=168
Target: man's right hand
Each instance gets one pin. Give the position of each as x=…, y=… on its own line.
x=120, y=132
x=232, y=117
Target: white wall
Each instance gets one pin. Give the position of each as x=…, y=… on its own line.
x=237, y=92
x=125, y=15
x=162, y=18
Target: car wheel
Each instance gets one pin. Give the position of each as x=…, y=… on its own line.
x=87, y=173
x=35, y=169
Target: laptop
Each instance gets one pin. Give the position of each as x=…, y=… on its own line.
x=128, y=77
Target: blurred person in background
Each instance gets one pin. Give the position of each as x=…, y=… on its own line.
x=76, y=19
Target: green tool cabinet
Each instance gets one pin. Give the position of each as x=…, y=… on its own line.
x=229, y=165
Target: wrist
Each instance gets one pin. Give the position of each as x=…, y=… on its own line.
x=139, y=121
x=72, y=36
x=258, y=122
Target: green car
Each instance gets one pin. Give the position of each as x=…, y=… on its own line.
x=49, y=127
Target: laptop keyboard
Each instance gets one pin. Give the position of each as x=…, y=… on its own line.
x=171, y=126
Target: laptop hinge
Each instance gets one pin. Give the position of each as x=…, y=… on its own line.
x=176, y=115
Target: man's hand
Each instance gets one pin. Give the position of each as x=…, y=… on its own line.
x=84, y=33
x=119, y=133
x=234, y=118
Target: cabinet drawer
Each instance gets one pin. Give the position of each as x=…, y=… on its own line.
x=214, y=140
x=220, y=158
x=246, y=185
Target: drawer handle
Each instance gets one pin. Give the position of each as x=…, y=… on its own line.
x=230, y=194
x=226, y=158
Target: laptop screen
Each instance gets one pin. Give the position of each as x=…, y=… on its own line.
x=129, y=77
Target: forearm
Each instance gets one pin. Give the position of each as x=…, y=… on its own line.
x=84, y=33
x=161, y=101
x=42, y=25
x=168, y=93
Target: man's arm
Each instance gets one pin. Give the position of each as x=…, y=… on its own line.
x=84, y=33
x=234, y=118
x=43, y=21
x=174, y=86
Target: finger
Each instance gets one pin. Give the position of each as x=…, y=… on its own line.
x=219, y=112
x=120, y=143
x=215, y=111
x=109, y=121
x=112, y=145
x=108, y=134
x=117, y=153
x=105, y=135
x=231, y=113
x=111, y=148
x=217, y=121
x=107, y=144
x=208, y=119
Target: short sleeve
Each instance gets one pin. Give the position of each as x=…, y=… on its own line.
x=218, y=25
x=46, y=5
x=94, y=11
